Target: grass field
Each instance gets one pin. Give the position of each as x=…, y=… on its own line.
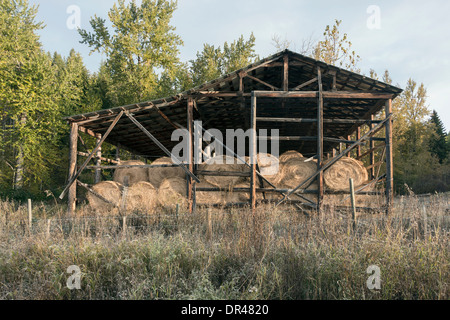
x=274, y=254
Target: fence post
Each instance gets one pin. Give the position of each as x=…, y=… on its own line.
x=209, y=231
x=30, y=215
x=352, y=194
x=124, y=226
x=49, y=222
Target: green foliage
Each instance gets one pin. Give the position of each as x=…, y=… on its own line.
x=213, y=62
x=141, y=43
x=336, y=49
x=438, y=141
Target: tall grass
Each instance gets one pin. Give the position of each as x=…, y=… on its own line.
x=272, y=254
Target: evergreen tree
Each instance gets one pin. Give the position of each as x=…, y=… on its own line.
x=29, y=115
x=438, y=141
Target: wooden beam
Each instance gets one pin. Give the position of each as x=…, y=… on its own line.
x=161, y=146
x=357, y=95
x=98, y=162
x=83, y=166
x=320, y=137
x=73, y=146
x=262, y=82
x=389, y=158
x=190, y=127
x=307, y=83
x=372, y=147
x=253, y=156
x=285, y=72
x=84, y=154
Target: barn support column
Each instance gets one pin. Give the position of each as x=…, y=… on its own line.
x=98, y=162
x=73, y=150
x=320, y=139
x=190, y=128
x=253, y=152
x=389, y=159
x=372, y=153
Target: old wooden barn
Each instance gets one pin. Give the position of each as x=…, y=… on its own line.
x=316, y=107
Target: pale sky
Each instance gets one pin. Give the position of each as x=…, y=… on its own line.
x=412, y=40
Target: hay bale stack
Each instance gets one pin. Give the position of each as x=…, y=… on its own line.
x=142, y=197
x=337, y=176
x=223, y=164
x=172, y=192
x=111, y=191
x=294, y=171
x=157, y=175
x=134, y=174
x=288, y=155
x=205, y=197
x=269, y=166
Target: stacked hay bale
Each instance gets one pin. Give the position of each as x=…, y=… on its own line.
x=172, y=192
x=133, y=175
x=336, y=178
x=223, y=164
x=295, y=170
x=157, y=175
x=142, y=197
x=111, y=191
x=291, y=154
x=206, y=197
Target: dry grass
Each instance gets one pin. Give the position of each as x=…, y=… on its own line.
x=273, y=254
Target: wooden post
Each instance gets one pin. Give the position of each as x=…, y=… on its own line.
x=253, y=151
x=389, y=159
x=372, y=153
x=358, y=136
x=98, y=171
x=285, y=72
x=352, y=195
x=73, y=149
x=123, y=206
x=30, y=215
x=83, y=166
x=320, y=138
x=124, y=226
x=190, y=125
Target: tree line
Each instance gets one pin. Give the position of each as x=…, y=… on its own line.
x=38, y=89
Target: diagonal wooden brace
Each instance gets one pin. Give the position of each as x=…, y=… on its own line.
x=338, y=157
x=99, y=144
x=162, y=147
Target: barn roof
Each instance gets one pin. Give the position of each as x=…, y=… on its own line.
x=221, y=105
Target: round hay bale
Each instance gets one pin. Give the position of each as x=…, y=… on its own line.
x=142, y=197
x=172, y=192
x=157, y=175
x=269, y=166
x=111, y=191
x=208, y=197
x=134, y=174
x=223, y=164
x=291, y=154
x=337, y=176
x=295, y=171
